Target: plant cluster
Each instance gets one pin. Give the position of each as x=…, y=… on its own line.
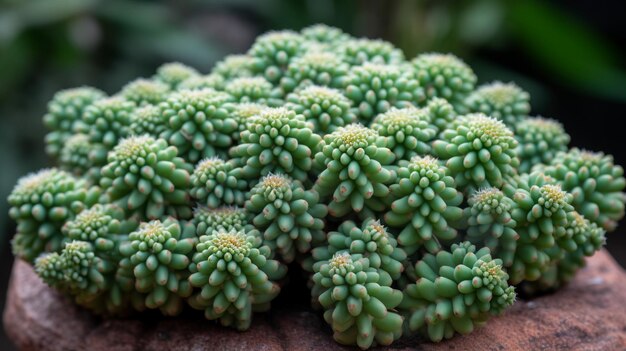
x=415, y=200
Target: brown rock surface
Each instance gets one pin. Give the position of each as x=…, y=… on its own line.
x=588, y=314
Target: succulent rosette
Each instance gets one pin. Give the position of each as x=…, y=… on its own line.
x=213, y=184
x=314, y=68
x=276, y=141
x=143, y=91
x=235, y=275
x=504, y=101
x=325, y=108
x=174, y=73
x=291, y=217
x=425, y=205
x=360, y=51
x=356, y=171
x=445, y=76
x=456, y=291
x=273, y=51
x=539, y=140
x=65, y=111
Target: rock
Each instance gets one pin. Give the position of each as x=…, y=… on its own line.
x=588, y=314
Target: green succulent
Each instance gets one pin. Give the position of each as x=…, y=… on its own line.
x=143, y=91
x=360, y=310
x=211, y=81
x=581, y=239
x=207, y=220
x=144, y=177
x=105, y=227
x=357, y=52
x=442, y=114
x=490, y=223
x=540, y=211
x=425, y=205
x=276, y=141
x=445, y=76
x=324, y=34
x=595, y=182
x=290, y=217
x=64, y=113
x=539, y=140
x=243, y=113
x=41, y=203
x=234, y=66
x=49, y=267
x=325, y=108
x=408, y=131
x=174, y=73
x=235, y=275
x=371, y=240
x=504, y=101
x=273, y=51
x=254, y=89
x=199, y=123
x=375, y=88
x=214, y=184
x=314, y=68
x=106, y=121
x=456, y=291
x=158, y=258
x=82, y=157
x=355, y=171
x=479, y=152
x=147, y=120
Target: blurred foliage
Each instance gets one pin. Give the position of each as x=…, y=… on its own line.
x=49, y=45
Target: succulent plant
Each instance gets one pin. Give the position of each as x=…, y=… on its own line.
x=425, y=205
x=276, y=141
x=355, y=163
x=159, y=259
x=254, y=89
x=360, y=51
x=490, y=223
x=235, y=275
x=408, y=131
x=207, y=220
x=541, y=209
x=442, y=114
x=40, y=203
x=479, y=152
x=314, y=68
x=199, y=123
x=234, y=66
x=445, y=76
x=596, y=183
x=64, y=112
x=82, y=157
x=580, y=239
x=174, y=73
x=291, y=217
x=273, y=51
x=539, y=140
x=105, y=227
x=146, y=178
x=211, y=81
x=214, y=184
x=357, y=306
x=106, y=121
x=371, y=240
x=148, y=120
x=456, y=291
x=324, y=34
x=316, y=149
x=375, y=88
x=143, y=91
x=504, y=101
x=325, y=108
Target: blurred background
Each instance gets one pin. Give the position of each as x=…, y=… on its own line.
x=568, y=54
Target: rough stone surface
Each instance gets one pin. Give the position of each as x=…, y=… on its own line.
x=588, y=314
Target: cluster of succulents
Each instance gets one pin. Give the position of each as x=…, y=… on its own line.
x=415, y=201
